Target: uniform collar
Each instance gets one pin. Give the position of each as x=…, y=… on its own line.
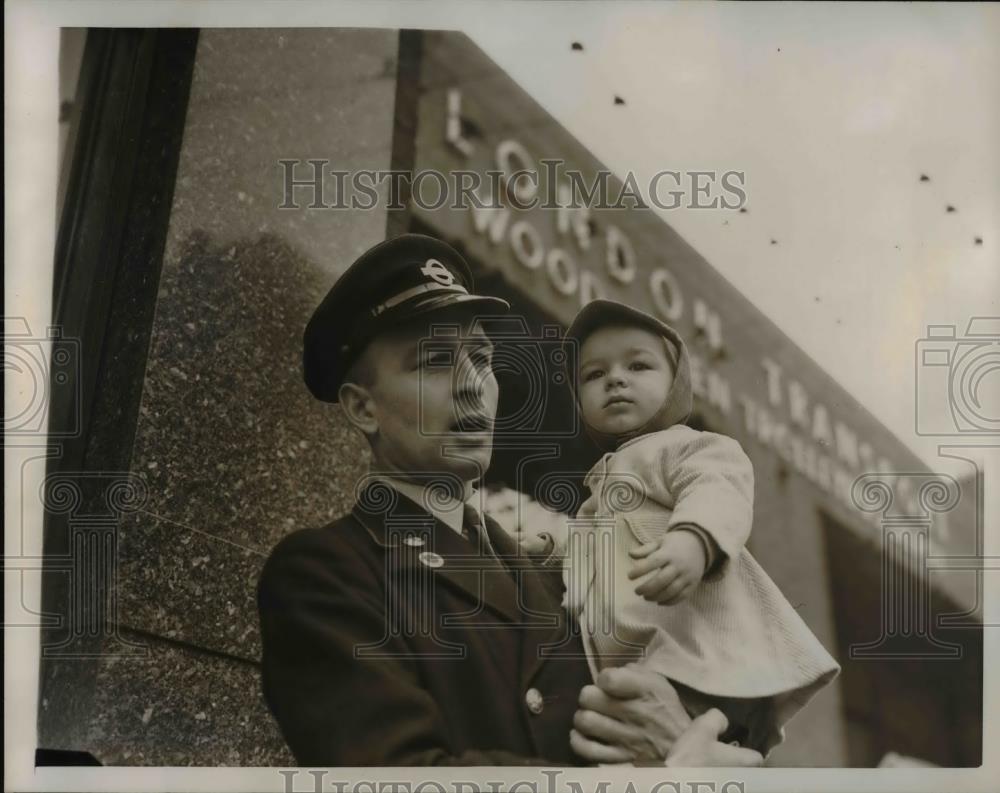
x=418, y=541
x=447, y=510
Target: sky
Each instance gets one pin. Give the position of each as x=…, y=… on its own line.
x=833, y=112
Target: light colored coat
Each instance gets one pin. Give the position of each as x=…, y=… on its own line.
x=735, y=635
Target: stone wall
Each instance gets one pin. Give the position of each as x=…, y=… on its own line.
x=233, y=450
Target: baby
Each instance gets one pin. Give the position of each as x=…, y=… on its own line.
x=655, y=567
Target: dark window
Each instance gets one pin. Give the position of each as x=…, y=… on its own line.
x=924, y=707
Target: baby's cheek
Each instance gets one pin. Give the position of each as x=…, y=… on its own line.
x=590, y=409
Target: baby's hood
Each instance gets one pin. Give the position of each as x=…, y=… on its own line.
x=678, y=404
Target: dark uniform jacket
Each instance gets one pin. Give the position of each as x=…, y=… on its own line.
x=389, y=639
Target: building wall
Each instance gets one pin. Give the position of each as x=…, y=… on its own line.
x=468, y=110
x=233, y=450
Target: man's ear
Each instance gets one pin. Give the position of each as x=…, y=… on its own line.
x=359, y=407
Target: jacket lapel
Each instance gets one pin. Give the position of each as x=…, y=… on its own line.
x=418, y=543
x=534, y=598
x=548, y=630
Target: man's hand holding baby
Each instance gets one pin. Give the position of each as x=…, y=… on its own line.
x=675, y=565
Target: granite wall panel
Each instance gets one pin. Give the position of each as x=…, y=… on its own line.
x=234, y=451
x=174, y=706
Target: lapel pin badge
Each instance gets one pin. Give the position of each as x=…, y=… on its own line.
x=431, y=559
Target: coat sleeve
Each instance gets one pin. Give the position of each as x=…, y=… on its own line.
x=316, y=607
x=709, y=481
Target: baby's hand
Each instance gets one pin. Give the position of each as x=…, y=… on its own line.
x=540, y=544
x=676, y=563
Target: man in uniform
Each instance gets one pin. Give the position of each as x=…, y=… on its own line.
x=412, y=631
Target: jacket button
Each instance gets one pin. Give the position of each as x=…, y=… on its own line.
x=534, y=700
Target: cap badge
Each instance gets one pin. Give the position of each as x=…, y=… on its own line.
x=436, y=271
